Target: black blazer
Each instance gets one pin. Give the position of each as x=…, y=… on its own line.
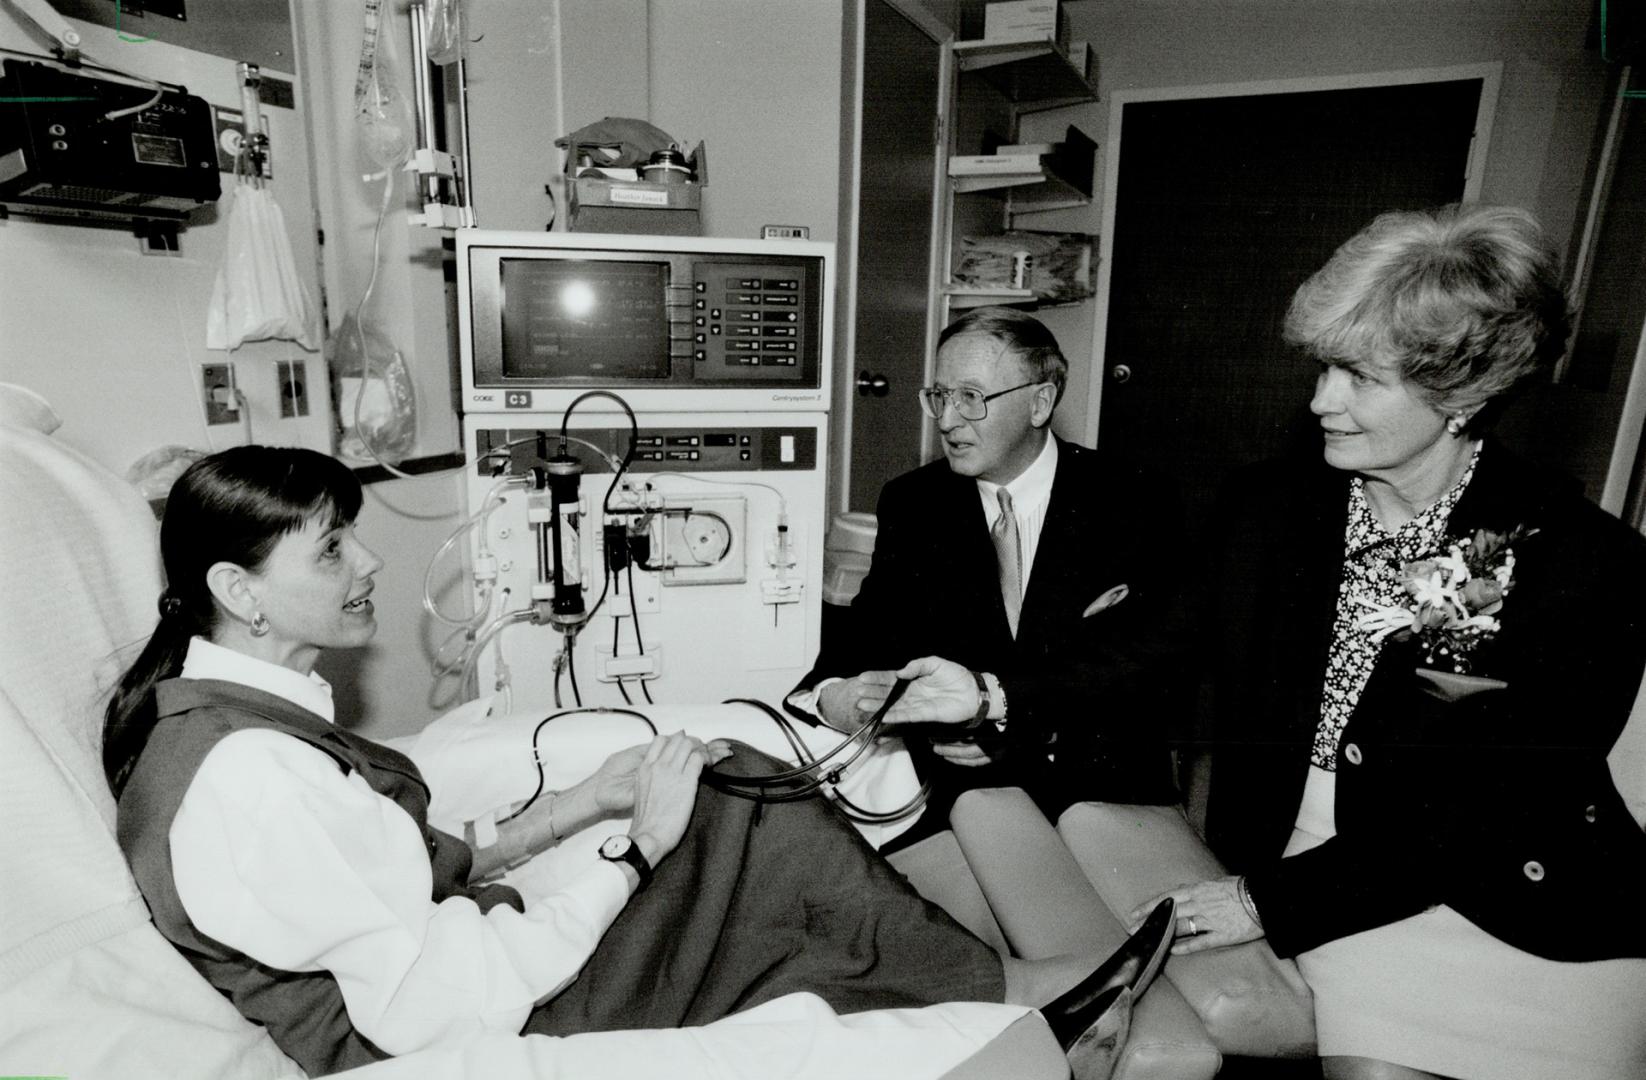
x=1082, y=692
x=1500, y=804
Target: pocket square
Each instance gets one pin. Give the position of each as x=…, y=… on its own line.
x=1108, y=600
x=1450, y=686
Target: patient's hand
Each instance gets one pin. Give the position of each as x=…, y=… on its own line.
x=665, y=791
x=848, y=704
x=614, y=781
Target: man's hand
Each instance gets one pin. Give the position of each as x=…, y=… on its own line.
x=848, y=704
x=962, y=753
x=941, y=692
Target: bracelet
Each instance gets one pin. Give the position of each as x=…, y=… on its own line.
x=1005, y=709
x=1246, y=901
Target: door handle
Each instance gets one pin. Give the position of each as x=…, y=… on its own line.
x=870, y=383
x=1120, y=373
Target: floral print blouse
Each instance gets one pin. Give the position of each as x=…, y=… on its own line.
x=1372, y=559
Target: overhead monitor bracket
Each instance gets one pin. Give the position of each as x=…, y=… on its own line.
x=65, y=39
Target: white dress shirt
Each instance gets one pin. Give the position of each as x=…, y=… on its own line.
x=1031, y=492
x=278, y=853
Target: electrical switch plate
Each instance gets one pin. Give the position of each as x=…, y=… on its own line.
x=292, y=388
x=217, y=386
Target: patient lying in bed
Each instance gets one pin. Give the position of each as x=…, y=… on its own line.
x=292, y=863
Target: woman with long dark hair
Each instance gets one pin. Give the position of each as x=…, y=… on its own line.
x=292, y=862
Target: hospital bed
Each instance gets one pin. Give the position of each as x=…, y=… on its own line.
x=88, y=987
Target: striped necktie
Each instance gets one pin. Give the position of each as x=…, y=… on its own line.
x=1008, y=553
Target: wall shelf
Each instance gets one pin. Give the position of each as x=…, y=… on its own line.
x=970, y=296
x=1031, y=72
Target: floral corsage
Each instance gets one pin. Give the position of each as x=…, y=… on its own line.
x=1454, y=598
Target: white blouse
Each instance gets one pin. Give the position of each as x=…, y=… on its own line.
x=279, y=854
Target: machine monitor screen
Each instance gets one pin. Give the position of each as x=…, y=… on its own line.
x=577, y=318
x=544, y=318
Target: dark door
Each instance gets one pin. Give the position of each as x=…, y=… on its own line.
x=901, y=65
x=1223, y=207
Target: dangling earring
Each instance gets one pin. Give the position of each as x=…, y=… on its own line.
x=259, y=624
x=1454, y=425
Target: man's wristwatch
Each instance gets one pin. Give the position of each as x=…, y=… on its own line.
x=982, y=702
x=622, y=849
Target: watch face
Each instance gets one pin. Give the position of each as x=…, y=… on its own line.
x=614, y=847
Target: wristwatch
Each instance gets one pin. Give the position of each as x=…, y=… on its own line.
x=982, y=703
x=622, y=849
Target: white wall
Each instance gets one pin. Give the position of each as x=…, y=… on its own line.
x=114, y=338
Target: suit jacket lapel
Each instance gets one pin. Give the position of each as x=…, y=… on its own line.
x=1055, y=550
x=975, y=573
x=1315, y=544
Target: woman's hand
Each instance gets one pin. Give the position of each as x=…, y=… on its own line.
x=613, y=782
x=1209, y=916
x=665, y=791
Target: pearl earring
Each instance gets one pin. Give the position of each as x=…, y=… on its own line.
x=1454, y=425
x=259, y=624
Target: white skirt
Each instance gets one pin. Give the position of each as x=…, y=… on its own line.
x=1437, y=993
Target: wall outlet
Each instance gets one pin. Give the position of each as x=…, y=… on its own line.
x=292, y=387
x=217, y=386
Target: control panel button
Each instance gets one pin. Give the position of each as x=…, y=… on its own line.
x=743, y=440
x=682, y=455
x=771, y=299
x=700, y=303
x=742, y=455
x=785, y=449
x=701, y=286
x=745, y=298
x=748, y=316
x=699, y=338
x=682, y=440
x=780, y=283
x=700, y=355
x=714, y=331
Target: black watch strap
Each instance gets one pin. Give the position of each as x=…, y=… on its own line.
x=982, y=703
x=622, y=848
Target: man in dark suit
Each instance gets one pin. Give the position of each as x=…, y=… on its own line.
x=1026, y=583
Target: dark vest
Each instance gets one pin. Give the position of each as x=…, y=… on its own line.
x=303, y=1011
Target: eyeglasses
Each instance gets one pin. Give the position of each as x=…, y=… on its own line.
x=970, y=404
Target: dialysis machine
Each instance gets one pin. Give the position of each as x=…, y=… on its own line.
x=648, y=422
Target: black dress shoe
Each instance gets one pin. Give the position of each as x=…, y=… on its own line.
x=1096, y=1051
x=1132, y=967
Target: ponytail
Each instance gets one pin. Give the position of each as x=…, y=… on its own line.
x=233, y=506
x=132, y=712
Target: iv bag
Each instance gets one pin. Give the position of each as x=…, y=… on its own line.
x=371, y=384
x=445, y=33
x=257, y=294
x=381, y=111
